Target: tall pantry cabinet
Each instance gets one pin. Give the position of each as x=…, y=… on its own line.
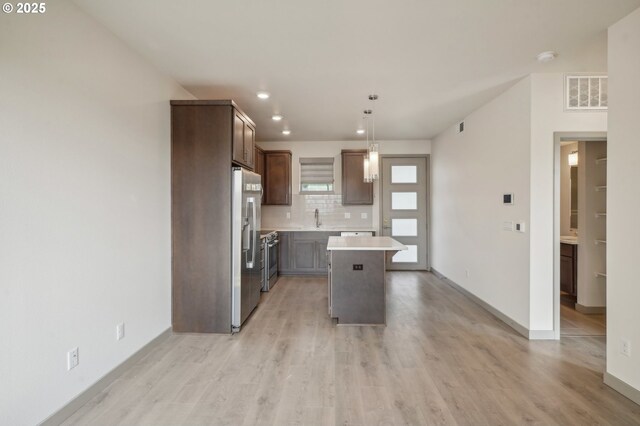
x=207, y=138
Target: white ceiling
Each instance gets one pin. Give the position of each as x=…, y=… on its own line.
x=430, y=61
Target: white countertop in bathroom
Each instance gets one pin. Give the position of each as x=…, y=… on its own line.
x=569, y=239
x=365, y=243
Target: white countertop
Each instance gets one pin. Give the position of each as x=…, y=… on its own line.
x=321, y=229
x=365, y=243
x=569, y=239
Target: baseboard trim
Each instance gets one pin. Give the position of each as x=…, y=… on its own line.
x=621, y=387
x=85, y=396
x=542, y=335
x=591, y=310
x=525, y=332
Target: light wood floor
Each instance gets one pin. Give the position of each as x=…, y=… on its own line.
x=440, y=360
x=574, y=323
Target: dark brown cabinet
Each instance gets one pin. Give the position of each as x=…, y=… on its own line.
x=205, y=140
x=569, y=269
x=258, y=166
x=244, y=136
x=277, y=178
x=355, y=191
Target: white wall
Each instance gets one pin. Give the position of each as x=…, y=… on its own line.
x=547, y=117
x=470, y=172
x=333, y=149
x=623, y=202
x=85, y=196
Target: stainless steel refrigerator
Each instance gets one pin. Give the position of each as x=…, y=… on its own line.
x=246, y=268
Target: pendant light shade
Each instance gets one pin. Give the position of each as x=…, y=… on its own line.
x=367, y=177
x=573, y=158
x=371, y=159
x=373, y=162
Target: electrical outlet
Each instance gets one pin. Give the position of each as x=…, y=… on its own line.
x=626, y=347
x=363, y=215
x=520, y=227
x=120, y=331
x=347, y=215
x=288, y=215
x=72, y=358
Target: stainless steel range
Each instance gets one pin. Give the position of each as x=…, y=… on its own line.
x=271, y=260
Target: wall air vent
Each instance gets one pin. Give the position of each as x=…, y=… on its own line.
x=586, y=92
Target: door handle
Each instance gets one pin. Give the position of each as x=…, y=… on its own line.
x=245, y=234
x=251, y=233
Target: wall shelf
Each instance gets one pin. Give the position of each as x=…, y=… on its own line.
x=601, y=242
x=601, y=214
x=601, y=188
x=601, y=160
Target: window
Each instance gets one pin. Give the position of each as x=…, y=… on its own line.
x=316, y=174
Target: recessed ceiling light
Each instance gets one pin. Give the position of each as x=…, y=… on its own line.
x=263, y=95
x=286, y=132
x=276, y=117
x=360, y=131
x=547, y=56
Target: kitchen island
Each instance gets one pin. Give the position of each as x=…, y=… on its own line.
x=357, y=267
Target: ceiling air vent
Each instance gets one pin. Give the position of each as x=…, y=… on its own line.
x=587, y=92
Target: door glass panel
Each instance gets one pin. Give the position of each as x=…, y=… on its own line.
x=404, y=174
x=406, y=256
x=404, y=201
x=404, y=227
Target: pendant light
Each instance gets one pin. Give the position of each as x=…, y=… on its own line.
x=573, y=158
x=367, y=164
x=372, y=158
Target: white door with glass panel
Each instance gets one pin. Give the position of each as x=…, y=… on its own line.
x=404, y=209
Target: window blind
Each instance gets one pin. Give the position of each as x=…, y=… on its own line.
x=316, y=174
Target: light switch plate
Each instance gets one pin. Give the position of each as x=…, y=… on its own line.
x=363, y=215
x=347, y=215
x=288, y=215
x=507, y=225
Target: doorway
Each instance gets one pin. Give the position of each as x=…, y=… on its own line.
x=404, y=210
x=580, y=235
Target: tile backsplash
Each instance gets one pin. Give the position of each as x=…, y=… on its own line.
x=302, y=209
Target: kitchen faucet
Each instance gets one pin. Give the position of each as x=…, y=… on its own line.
x=317, y=216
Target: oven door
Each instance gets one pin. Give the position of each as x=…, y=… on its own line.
x=272, y=257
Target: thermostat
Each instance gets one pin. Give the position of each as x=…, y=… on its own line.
x=507, y=198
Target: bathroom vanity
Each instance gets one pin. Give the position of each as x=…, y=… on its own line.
x=569, y=266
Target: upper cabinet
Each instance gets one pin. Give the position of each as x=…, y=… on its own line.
x=277, y=178
x=244, y=136
x=355, y=191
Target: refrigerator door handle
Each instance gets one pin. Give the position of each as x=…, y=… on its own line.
x=251, y=231
x=245, y=232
